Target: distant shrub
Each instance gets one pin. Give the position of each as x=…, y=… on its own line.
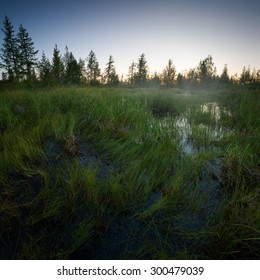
x=163, y=104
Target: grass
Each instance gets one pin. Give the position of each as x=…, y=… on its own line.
x=99, y=173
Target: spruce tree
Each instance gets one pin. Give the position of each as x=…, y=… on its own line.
x=44, y=67
x=57, y=67
x=169, y=73
x=9, y=51
x=142, y=70
x=180, y=80
x=206, y=70
x=73, y=70
x=224, y=78
x=192, y=77
x=27, y=59
x=93, y=70
x=132, y=73
x=154, y=80
x=245, y=77
x=81, y=64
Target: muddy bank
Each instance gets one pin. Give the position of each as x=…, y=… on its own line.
x=57, y=155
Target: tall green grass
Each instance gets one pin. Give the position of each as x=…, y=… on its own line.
x=90, y=170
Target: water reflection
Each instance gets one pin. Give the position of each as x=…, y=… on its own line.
x=213, y=109
x=197, y=130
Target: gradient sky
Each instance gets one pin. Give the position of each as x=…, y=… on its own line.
x=186, y=31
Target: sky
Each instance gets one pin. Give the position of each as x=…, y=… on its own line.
x=186, y=31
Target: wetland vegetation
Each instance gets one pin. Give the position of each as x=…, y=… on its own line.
x=152, y=166
x=117, y=173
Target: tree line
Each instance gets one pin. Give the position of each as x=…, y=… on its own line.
x=19, y=64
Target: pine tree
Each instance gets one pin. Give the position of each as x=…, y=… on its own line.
x=169, y=73
x=27, y=59
x=9, y=51
x=111, y=78
x=93, y=70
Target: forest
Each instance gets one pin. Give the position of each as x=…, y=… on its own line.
x=20, y=65
x=96, y=166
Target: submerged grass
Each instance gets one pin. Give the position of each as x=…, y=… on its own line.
x=92, y=173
